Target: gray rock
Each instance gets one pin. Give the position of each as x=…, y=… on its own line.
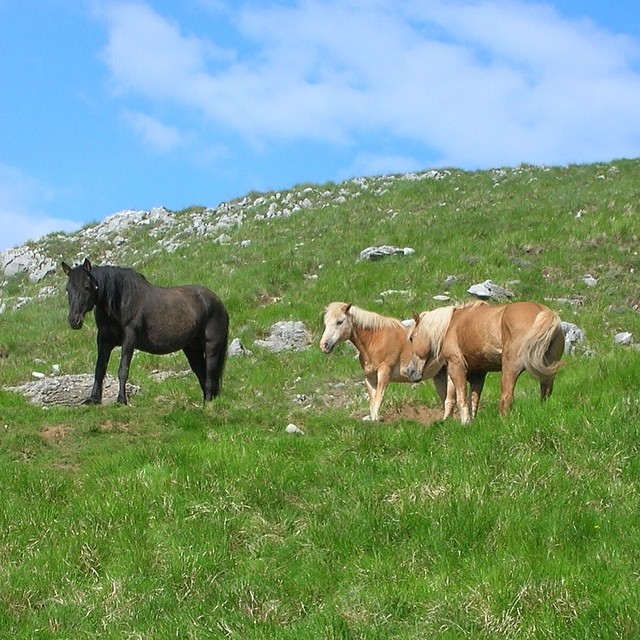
x=573, y=335
x=26, y=260
x=286, y=336
x=624, y=338
x=488, y=289
x=376, y=253
x=236, y=348
x=294, y=430
x=69, y=390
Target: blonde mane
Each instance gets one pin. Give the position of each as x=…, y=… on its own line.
x=364, y=319
x=433, y=325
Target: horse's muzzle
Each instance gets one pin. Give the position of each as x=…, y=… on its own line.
x=412, y=373
x=75, y=322
x=327, y=347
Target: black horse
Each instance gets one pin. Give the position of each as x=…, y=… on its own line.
x=133, y=314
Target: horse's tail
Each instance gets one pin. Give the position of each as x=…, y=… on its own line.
x=543, y=346
x=221, y=358
x=220, y=346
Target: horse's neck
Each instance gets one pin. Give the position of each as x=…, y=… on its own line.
x=361, y=339
x=108, y=301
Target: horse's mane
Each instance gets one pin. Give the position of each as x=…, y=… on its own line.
x=117, y=287
x=365, y=319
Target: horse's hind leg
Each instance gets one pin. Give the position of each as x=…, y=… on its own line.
x=195, y=356
x=510, y=376
x=546, y=389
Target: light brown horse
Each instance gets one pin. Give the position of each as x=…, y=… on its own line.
x=380, y=341
x=477, y=338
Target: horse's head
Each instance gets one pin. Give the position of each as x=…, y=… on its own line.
x=415, y=353
x=337, y=326
x=82, y=292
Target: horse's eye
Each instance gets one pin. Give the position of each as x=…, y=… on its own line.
x=339, y=322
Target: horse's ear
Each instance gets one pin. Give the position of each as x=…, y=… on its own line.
x=66, y=268
x=346, y=308
x=416, y=318
x=86, y=264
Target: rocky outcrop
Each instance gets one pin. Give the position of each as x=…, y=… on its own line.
x=69, y=391
x=26, y=259
x=286, y=336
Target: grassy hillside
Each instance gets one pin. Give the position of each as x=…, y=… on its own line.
x=166, y=519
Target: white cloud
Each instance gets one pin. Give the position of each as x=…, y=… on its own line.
x=22, y=205
x=483, y=83
x=155, y=134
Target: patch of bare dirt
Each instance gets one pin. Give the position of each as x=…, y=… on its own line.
x=423, y=415
x=264, y=299
x=55, y=434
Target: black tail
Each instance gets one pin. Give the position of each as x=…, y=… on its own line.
x=220, y=359
x=218, y=338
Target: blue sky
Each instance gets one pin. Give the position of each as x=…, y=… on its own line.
x=116, y=105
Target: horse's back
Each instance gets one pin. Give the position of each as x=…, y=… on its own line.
x=523, y=312
x=482, y=332
x=194, y=298
x=474, y=336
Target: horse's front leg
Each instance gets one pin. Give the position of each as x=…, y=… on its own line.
x=477, y=384
x=446, y=391
x=450, y=400
x=371, y=382
x=384, y=375
x=105, y=347
x=458, y=375
x=123, y=370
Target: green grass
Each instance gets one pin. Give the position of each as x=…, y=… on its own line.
x=168, y=519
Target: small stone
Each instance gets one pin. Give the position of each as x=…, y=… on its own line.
x=294, y=430
x=488, y=289
x=236, y=348
x=376, y=253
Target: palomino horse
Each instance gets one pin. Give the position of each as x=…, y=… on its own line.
x=379, y=341
x=477, y=338
x=134, y=314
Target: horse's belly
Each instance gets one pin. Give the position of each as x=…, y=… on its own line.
x=484, y=361
x=160, y=349
x=161, y=342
